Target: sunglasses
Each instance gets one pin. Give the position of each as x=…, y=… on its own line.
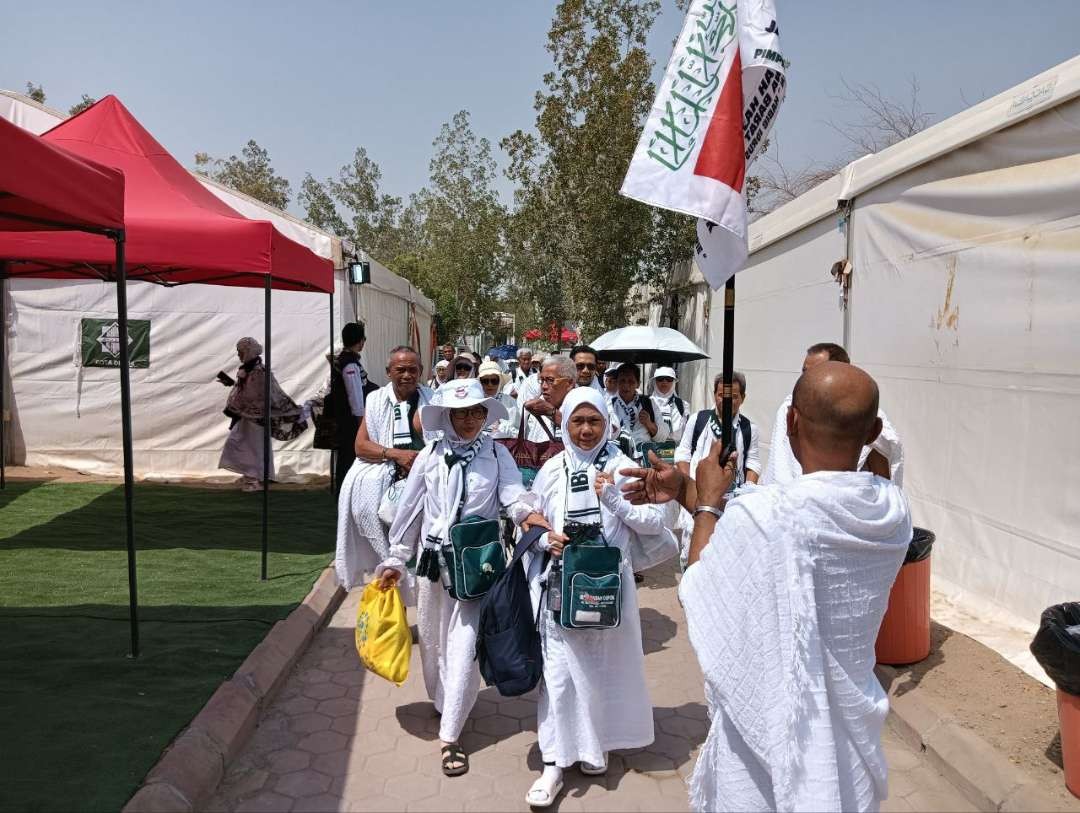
x=490, y=382
x=470, y=412
x=463, y=368
x=584, y=365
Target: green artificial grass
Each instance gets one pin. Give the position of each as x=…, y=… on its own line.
x=82, y=722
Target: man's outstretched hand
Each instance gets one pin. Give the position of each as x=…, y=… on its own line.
x=660, y=484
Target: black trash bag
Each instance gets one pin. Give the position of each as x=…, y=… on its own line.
x=922, y=541
x=1056, y=645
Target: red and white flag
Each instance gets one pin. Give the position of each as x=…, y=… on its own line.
x=711, y=117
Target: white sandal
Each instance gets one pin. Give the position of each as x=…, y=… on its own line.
x=589, y=770
x=542, y=794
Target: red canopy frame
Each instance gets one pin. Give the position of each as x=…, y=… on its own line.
x=172, y=231
x=42, y=186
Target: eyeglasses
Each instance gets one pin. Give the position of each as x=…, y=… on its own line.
x=665, y=379
x=477, y=412
x=550, y=380
x=582, y=366
x=463, y=368
x=490, y=382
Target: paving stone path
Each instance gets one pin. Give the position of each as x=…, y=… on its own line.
x=339, y=739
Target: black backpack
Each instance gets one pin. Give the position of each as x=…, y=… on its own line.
x=508, y=645
x=699, y=427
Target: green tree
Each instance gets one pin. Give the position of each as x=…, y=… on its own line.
x=252, y=174
x=319, y=207
x=35, y=92
x=81, y=105
x=452, y=233
x=374, y=214
x=572, y=232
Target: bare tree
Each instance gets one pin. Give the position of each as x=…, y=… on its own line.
x=881, y=121
x=878, y=122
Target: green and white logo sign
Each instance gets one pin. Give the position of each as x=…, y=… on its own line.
x=100, y=342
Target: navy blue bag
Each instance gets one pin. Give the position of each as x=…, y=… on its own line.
x=508, y=645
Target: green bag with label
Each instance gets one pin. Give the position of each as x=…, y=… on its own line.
x=475, y=558
x=590, y=585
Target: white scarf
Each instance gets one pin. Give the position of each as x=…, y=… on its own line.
x=401, y=428
x=628, y=412
x=455, y=455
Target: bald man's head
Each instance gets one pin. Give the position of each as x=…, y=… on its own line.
x=834, y=414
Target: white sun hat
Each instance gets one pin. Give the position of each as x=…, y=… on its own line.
x=664, y=372
x=460, y=393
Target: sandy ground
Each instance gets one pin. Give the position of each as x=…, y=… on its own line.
x=985, y=693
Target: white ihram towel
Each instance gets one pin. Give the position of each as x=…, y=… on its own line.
x=361, y=537
x=783, y=609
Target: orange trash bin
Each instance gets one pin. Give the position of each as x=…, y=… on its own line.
x=1069, y=720
x=904, y=636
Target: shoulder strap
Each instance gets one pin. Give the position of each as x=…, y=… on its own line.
x=680, y=405
x=528, y=539
x=646, y=406
x=699, y=427
x=744, y=427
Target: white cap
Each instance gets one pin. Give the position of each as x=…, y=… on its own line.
x=664, y=372
x=442, y=363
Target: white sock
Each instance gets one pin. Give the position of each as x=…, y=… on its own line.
x=551, y=775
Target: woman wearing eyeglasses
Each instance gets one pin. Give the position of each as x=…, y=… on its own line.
x=493, y=380
x=463, y=366
x=462, y=476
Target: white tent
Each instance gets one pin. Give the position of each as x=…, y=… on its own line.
x=63, y=414
x=963, y=244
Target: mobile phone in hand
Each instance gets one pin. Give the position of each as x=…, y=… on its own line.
x=225, y=378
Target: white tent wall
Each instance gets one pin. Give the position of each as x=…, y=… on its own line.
x=64, y=415
x=964, y=310
x=964, y=242
x=785, y=300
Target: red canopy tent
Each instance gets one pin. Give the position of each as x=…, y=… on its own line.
x=174, y=232
x=44, y=187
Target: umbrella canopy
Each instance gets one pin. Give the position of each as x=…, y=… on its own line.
x=503, y=351
x=177, y=230
x=43, y=186
x=641, y=344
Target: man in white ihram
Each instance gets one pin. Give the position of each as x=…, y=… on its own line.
x=885, y=456
x=784, y=595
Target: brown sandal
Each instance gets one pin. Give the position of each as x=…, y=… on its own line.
x=455, y=761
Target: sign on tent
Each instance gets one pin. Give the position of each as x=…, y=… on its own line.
x=99, y=343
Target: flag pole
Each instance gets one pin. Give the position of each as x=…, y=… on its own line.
x=729, y=364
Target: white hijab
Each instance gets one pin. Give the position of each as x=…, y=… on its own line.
x=582, y=506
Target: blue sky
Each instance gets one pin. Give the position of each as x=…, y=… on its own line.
x=311, y=82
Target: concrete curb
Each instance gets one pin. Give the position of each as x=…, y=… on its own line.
x=987, y=777
x=192, y=766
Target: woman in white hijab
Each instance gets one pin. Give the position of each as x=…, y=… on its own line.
x=593, y=698
x=463, y=475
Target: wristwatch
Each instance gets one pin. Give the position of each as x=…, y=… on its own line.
x=709, y=509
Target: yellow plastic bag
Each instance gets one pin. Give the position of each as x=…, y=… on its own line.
x=383, y=637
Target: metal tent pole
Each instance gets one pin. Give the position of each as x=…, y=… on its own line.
x=333, y=452
x=125, y=418
x=729, y=364
x=3, y=379
x=266, y=430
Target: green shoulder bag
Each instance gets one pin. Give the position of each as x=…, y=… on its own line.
x=591, y=584
x=475, y=558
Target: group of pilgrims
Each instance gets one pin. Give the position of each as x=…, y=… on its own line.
x=785, y=571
